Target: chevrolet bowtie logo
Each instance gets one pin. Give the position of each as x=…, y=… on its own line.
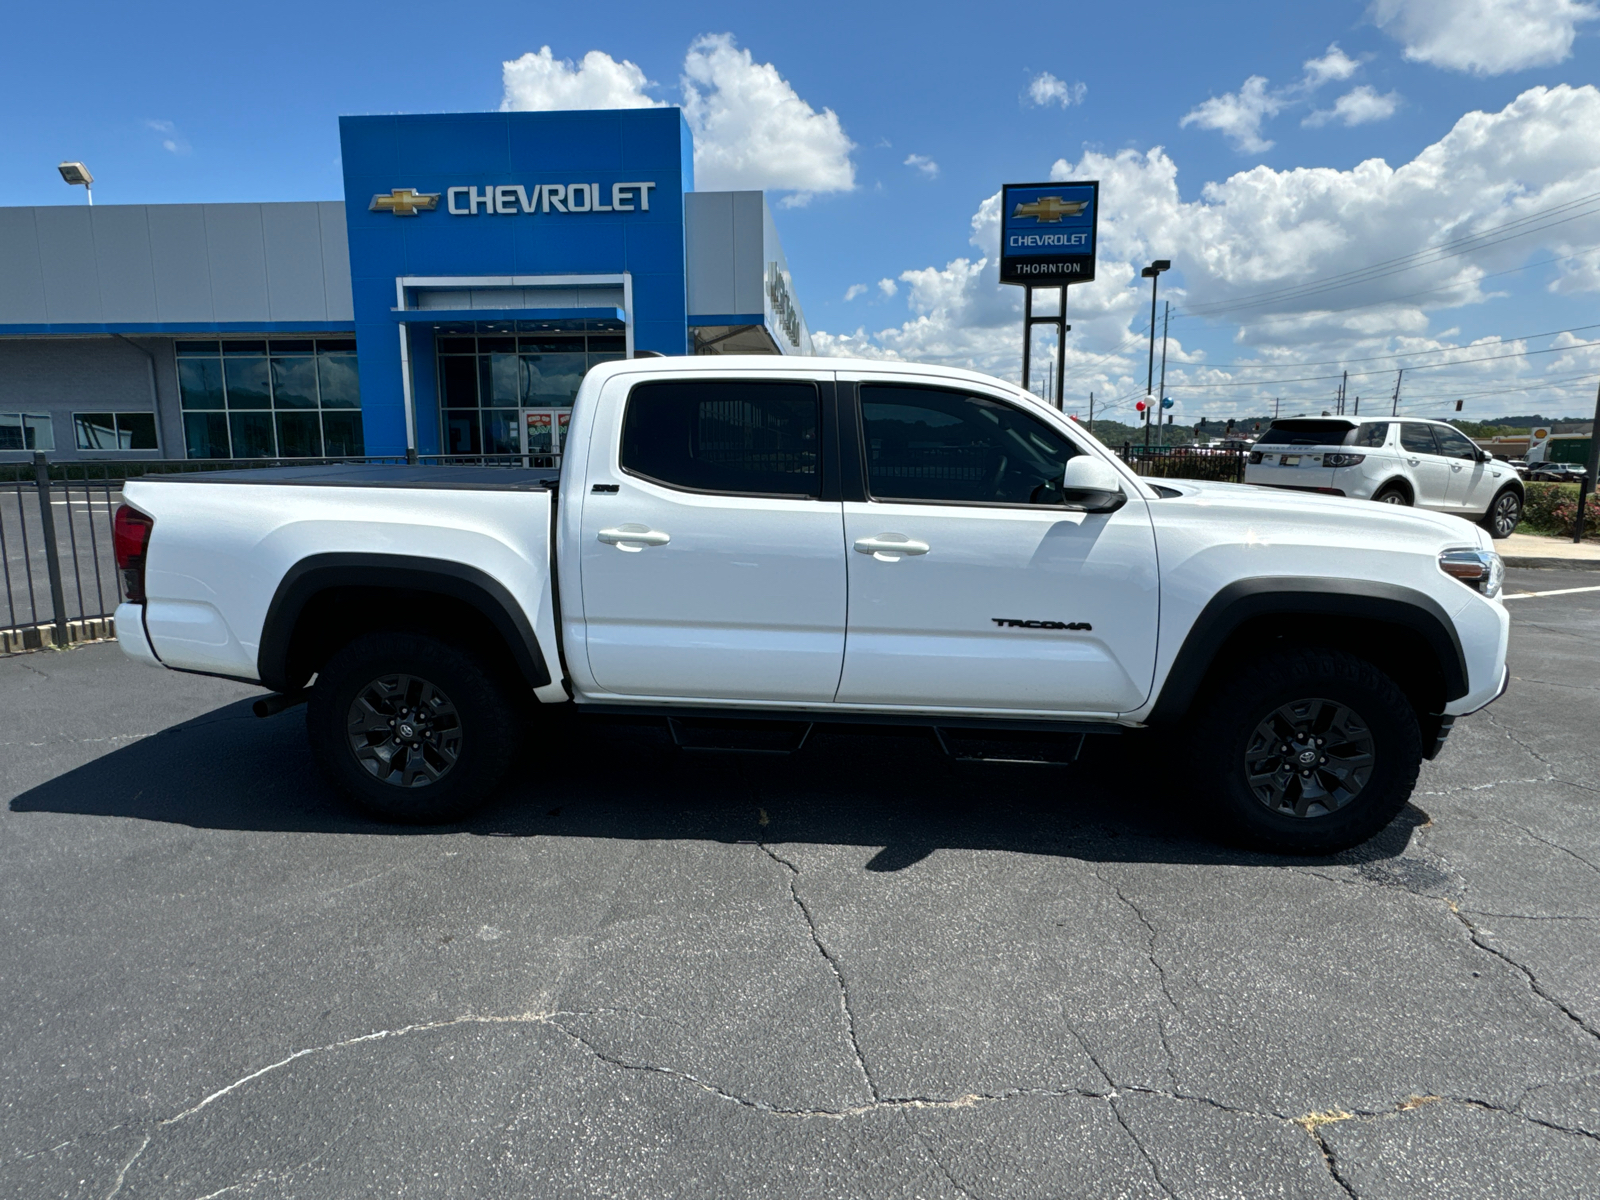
x=1046, y=208
x=404, y=202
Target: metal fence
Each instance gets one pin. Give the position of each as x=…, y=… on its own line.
x=57, y=569
x=1186, y=462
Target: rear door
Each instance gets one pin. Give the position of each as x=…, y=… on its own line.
x=711, y=547
x=968, y=587
x=1429, y=470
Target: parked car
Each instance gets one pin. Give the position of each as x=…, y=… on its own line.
x=803, y=540
x=1406, y=461
x=1549, y=472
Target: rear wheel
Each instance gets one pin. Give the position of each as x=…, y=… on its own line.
x=1392, y=494
x=1307, y=751
x=1504, y=514
x=414, y=729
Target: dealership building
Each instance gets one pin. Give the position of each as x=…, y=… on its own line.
x=478, y=266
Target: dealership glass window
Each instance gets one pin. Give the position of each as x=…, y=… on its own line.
x=270, y=398
x=487, y=375
x=26, y=431
x=115, y=431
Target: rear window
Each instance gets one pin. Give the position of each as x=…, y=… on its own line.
x=1306, y=433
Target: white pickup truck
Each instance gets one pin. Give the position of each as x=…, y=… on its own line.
x=738, y=540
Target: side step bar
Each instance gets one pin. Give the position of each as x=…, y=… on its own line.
x=1010, y=745
x=738, y=736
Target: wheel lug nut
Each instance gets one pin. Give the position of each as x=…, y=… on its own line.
x=1306, y=774
x=1323, y=759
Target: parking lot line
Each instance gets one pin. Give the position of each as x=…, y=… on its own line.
x=1556, y=592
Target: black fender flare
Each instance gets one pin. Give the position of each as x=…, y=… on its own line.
x=1311, y=597
x=319, y=572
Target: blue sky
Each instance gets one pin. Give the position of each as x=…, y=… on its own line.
x=172, y=102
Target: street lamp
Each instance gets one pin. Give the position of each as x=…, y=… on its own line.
x=76, y=173
x=1152, y=273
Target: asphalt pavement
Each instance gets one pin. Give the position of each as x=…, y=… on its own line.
x=861, y=971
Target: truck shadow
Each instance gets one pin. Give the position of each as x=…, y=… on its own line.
x=878, y=787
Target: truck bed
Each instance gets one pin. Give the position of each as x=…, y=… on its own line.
x=365, y=475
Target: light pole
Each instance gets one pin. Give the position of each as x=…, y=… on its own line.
x=76, y=173
x=1152, y=273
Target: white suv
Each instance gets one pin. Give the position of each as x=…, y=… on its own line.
x=1429, y=464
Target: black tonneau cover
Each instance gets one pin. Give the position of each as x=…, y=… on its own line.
x=457, y=479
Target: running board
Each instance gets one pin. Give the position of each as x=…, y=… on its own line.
x=731, y=735
x=1009, y=745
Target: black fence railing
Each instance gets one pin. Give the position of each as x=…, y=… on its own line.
x=1214, y=463
x=57, y=568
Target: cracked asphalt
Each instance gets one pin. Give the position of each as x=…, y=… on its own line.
x=861, y=971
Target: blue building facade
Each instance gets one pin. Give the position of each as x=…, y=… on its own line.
x=486, y=261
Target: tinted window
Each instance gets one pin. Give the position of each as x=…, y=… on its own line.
x=758, y=439
x=1454, y=444
x=927, y=444
x=1417, y=438
x=1306, y=433
x=1372, y=435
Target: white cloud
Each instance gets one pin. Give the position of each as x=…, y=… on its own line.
x=1046, y=89
x=171, y=140
x=922, y=163
x=1238, y=115
x=1261, y=230
x=1333, y=66
x=1486, y=37
x=854, y=290
x=541, y=82
x=751, y=129
x=888, y=287
x=1357, y=107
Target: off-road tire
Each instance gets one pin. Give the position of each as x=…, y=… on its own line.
x=1505, y=511
x=478, y=720
x=1228, y=717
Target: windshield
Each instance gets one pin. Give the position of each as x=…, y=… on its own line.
x=1307, y=433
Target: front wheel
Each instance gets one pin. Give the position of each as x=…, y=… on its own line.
x=1504, y=515
x=1307, y=751
x=414, y=729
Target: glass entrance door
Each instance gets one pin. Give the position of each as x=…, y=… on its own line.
x=544, y=435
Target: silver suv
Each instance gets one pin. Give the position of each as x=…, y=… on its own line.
x=1429, y=464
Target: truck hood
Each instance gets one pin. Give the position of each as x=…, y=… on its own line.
x=1279, y=506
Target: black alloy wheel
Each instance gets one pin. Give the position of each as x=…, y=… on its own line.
x=1306, y=749
x=414, y=729
x=1504, y=515
x=1309, y=758
x=404, y=731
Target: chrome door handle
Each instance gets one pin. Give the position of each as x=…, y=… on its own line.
x=1413, y=461
x=1455, y=466
x=890, y=543
x=633, y=538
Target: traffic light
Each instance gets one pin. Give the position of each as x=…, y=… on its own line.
x=1230, y=425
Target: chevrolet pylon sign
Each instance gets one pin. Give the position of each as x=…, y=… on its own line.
x=1047, y=232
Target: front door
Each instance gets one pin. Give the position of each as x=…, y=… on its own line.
x=1472, y=483
x=968, y=588
x=712, y=566
x=1430, y=470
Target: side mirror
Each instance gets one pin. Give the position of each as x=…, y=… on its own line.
x=1484, y=456
x=1091, y=485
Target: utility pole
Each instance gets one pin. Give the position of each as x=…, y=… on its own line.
x=1586, y=484
x=1343, y=382
x=1398, y=375
x=1091, y=412
x=1276, y=402
x=1357, y=412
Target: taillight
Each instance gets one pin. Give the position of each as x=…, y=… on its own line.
x=130, y=538
x=1343, y=460
x=1255, y=457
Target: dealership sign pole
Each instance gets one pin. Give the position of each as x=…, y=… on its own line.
x=1047, y=239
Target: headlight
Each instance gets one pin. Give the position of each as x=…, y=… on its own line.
x=1343, y=460
x=1480, y=570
